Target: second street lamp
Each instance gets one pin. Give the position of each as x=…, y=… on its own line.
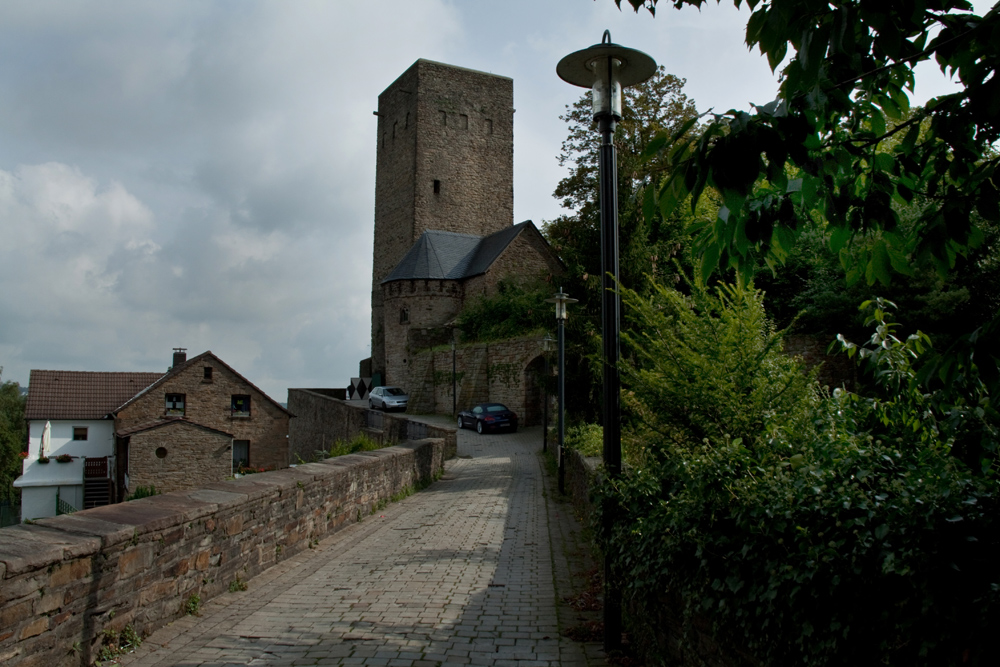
x=606, y=68
x=561, y=299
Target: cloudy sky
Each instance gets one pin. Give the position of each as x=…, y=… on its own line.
x=201, y=174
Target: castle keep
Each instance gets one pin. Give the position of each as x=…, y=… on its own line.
x=444, y=232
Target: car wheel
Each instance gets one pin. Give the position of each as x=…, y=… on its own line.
x=460, y=425
x=479, y=428
x=371, y=406
x=384, y=409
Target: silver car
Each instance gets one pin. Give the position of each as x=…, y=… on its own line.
x=388, y=398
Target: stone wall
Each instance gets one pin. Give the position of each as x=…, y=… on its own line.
x=66, y=580
x=428, y=304
x=835, y=370
x=505, y=372
x=178, y=455
x=320, y=420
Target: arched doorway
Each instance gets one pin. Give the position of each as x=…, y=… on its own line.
x=534, y=392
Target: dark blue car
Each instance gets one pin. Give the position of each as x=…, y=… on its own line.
x=488, y=417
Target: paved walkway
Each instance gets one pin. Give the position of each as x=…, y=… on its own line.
x=475, y=570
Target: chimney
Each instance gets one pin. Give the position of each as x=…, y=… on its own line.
x=180, y=356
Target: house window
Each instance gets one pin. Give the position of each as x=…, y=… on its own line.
x=241, y=454
x=404, y=315
x=241, y=405
x=208, y=372
x=79, y=432
x=175, y=405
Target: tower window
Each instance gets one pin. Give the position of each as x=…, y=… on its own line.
x=404, y=315
x=437, y=187
x=444, y=117
x=395, y=125
x=489, y=126
x=463, y=122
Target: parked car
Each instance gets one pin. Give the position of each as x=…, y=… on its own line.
x=388, y=398
x=488, y=417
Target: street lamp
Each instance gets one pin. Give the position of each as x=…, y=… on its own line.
x=561, y=299
x=606, y=68
x=546, y=348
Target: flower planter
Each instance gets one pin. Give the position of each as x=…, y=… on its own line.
x=43, y=459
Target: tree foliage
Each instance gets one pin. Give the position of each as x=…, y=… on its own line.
x=801, y=528
x=814, y=153
x=648, y=244
x=13, y=437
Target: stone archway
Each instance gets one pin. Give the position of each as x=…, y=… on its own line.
x=534, y=393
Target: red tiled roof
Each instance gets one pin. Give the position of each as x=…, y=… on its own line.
x=81, y=394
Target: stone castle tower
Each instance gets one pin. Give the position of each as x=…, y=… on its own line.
x=445, y=162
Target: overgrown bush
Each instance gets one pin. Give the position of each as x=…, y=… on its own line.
x=803, y=529
x=143, y=492
x=515, y=310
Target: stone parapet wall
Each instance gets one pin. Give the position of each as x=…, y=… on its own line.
x=503, y=372
x=67, y=580
x=321, y=420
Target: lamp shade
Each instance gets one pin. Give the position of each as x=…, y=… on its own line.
x=606, y=68
x=561, y=299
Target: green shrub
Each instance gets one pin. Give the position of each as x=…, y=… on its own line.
x=143, y=492
x=360, y=443
x=588, y=439
x=514, y=310
x=708, y=366
x=813, y=530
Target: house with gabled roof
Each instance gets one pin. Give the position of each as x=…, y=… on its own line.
x=200, y=422
x=71, y=438
x=94, y=438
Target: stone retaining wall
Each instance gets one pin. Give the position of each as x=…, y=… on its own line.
x=69, y=581
x=320, y=420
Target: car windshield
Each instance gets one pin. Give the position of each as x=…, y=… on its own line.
x=395, y=391
x=496, y=407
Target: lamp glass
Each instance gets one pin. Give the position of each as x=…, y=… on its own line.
x=605, y=94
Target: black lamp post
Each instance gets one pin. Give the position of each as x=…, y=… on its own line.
x=561, y=299
x=546, y=348
x=606, y=68
x=454, y=381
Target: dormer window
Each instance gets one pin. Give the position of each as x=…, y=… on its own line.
x=175, y=405
x=241, y=405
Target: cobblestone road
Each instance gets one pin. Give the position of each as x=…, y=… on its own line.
x=473, y=570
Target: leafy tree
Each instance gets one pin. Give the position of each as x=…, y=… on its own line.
x=13, y=436
x=647, y=244
x=813, y=153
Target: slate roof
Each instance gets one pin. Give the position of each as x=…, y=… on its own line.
x=451, y=256
x=81, y=394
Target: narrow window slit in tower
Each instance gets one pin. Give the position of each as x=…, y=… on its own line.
x=463, y=122
x=437, y=187
x=444, y=118
x=489, y=126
